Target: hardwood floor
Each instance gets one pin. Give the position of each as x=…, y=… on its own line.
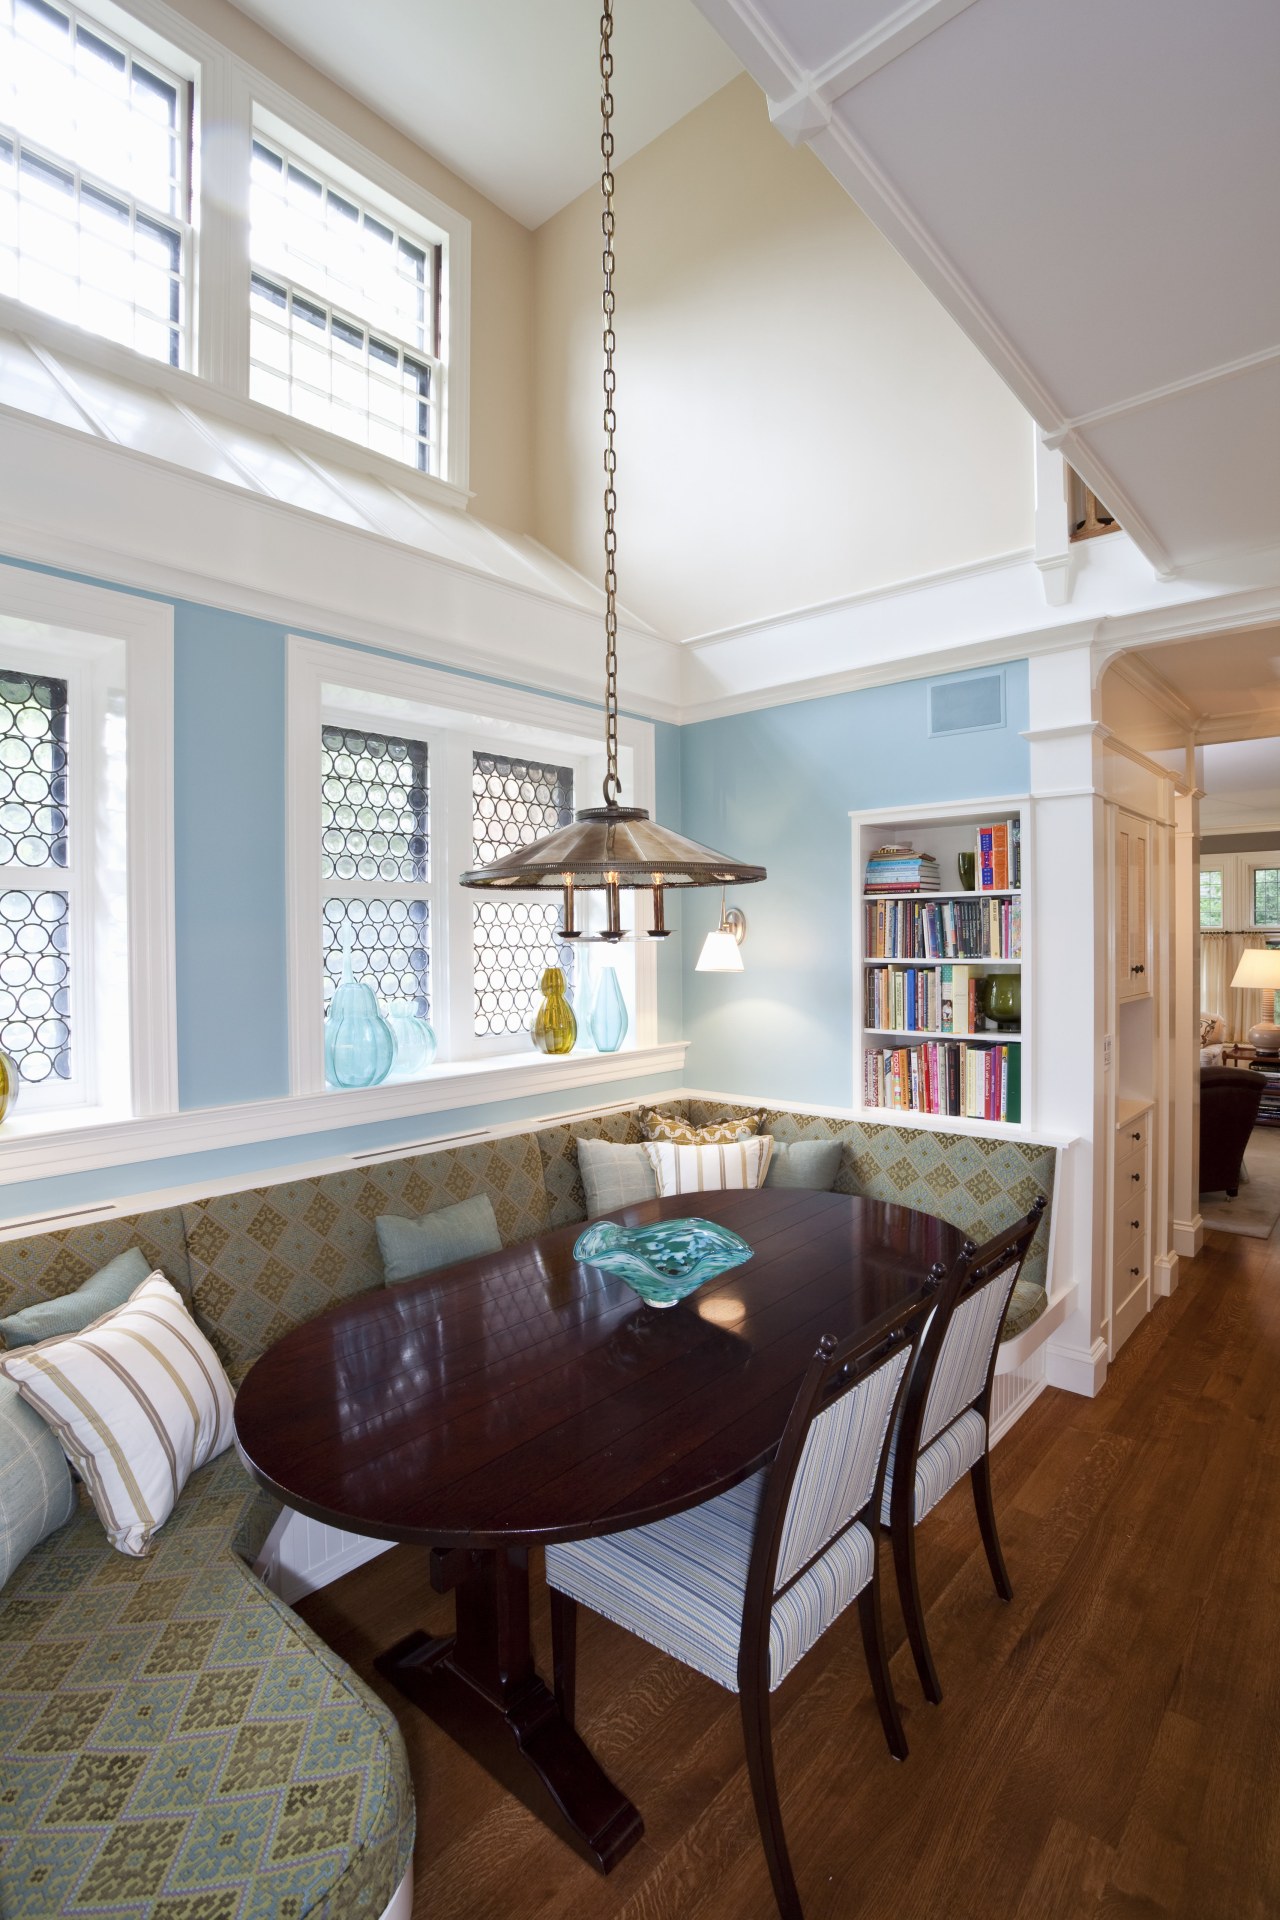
x=1109, y=1744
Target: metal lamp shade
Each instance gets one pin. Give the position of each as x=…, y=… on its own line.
x=612, y=847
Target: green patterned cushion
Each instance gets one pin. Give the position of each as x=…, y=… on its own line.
x=72, y=1312
x=48, y=1265
x=36, y=1494
x=981, y=1185
x=410, y=1247
x=176, y=1745
x=267, y=1259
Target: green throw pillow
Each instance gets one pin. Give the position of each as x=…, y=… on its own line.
x=36, y=1494
x=72, y=1312
x=614, y=1175
x=411, y=1247
x=804, y=1163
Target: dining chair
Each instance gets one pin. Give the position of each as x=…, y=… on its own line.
x=943, y=1425
x=741, y=1587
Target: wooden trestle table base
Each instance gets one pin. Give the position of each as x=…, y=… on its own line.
x=519, y=1398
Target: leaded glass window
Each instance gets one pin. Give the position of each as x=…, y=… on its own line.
x=515, y=801
x=375, y=861
x=35, y=979
x=1211, y=897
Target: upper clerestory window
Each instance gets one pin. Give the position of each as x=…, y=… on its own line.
x=94, y=180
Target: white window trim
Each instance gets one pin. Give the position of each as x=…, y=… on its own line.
x=1238, y=870
x=313, y=665
x=36, y=607
x=228, y=91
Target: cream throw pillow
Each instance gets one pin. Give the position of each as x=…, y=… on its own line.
x=734, y=1163
x=138, y=1401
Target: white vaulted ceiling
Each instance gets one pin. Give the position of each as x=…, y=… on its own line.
x=1093, y=191
x=507, y=92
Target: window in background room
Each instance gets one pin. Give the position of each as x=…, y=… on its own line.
x=375, y=864
x=94, y=179
x=1266, y=896
x=344, y=327
x=1211, y=898
x=513, y=802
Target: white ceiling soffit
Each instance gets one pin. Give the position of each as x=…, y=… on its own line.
x=507, y=92
x=1226, y=686
x=1093, y=192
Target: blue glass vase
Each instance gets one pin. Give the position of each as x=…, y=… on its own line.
x=358, y=1043
x=413, y=1037
x=608, y=1018
x=663, y=1263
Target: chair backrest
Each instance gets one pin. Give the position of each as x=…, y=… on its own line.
x=829, y=1467
x=956, y=1356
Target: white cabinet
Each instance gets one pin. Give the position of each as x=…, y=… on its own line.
x=1132, y=907
x=1131, y=1224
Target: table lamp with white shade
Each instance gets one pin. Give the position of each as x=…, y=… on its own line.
x=1259, y=972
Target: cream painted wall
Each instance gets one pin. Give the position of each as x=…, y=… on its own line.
x=501, y=268
x=800, y=420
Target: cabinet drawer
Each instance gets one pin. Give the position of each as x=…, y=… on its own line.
x=1130, y=1216
x=1131, y=1136
x=1129, y=1267
x=1131, y=1178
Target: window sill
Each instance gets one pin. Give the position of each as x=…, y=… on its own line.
x=42, y=1146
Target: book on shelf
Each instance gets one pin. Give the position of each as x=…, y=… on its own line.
x=956, y=1079
x=998, y=856
x=950, y=929
x=901, y=870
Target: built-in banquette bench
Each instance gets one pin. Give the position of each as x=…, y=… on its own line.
x=174, y=1743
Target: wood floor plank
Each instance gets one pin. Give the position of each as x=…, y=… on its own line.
x=1109, y=1743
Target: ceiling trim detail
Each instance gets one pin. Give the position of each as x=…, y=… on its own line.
x=808, y=107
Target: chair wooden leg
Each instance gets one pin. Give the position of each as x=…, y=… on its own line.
x=878, y=1667
x=757, y=1736
x=980, y=1475
x=564, y=1651
x=904, y=1560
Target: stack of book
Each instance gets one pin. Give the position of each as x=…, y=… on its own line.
x=899, y=870
x=963, y=1080
x=922, y=999
x=998, y=856
x=1267, y=1066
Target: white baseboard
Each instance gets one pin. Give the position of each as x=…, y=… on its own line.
x=1188, y=1236
x=301, y=1555
x=1077, y=1369
x=1165, y=1274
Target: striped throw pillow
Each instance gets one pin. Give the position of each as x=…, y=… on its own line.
x=734, y=1163
x=138, y=1401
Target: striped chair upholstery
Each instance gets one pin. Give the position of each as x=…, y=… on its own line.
x=742, y=1586
x=681, y=1583
x=942, y=1429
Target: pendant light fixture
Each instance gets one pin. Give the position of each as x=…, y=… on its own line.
x=611, y=848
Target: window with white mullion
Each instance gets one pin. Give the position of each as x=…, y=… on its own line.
x=344, y=326
x=94, y=179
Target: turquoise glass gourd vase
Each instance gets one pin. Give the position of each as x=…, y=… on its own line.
x=358, y=1043
x=607, y=1020
x=413, y=1037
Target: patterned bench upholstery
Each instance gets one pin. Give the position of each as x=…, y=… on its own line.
x=979, y=1185
x=176, y=1745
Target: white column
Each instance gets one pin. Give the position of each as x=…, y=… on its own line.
x=1188, y=1226
x=1070, y=950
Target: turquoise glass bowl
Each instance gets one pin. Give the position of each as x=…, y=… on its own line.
x=664, y=1263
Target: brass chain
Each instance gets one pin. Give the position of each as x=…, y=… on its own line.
x=612, y=788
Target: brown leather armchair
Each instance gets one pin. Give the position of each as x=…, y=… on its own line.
x=1229, y=1102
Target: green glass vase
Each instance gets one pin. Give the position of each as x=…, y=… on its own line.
x=554, y=1027
x=1002, y=1000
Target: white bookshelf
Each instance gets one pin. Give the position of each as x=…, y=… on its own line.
x=945, y=832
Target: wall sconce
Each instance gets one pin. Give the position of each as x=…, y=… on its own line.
x=720, y=948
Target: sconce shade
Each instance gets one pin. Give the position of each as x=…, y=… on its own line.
x=720, y=953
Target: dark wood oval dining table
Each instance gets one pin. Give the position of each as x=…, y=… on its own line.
x=521, y=1397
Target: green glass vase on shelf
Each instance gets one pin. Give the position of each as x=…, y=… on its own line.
x=554, y=1027
x=608, y=1018
x=1002, y=1000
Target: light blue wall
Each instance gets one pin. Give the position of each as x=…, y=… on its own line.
x=777, y=788
x=229, y=857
